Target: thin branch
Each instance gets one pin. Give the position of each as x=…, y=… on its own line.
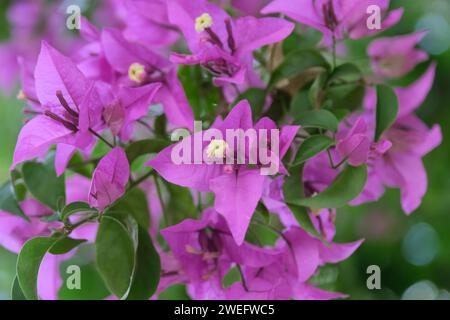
x=101, y=138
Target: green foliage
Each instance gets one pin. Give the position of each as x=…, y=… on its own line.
x=115, y=255
x=123, y=236
x=92, y=285
x=297, y=62
x=8, y=201
x=387, y=109
x=28, y=263
x=181, y=205
x=345, y=87
x=293, y=190
x=78, y=165
x=311, y=147
x=202, y=95
x=134, y=203
x=347, y=186
x=147, y=270
x=16, y=291
x=65, y=245
x=256, y=97
x=75, y=208
x=322, y=119
x=43, y=184
x=142, y=147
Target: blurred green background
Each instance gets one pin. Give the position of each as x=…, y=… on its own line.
x=413, y=252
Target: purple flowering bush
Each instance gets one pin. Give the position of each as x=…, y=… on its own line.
x=204, y=143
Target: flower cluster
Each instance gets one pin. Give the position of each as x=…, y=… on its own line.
x=110, y=157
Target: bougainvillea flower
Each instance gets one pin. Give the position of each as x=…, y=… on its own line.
x=395, y=56
x=221, y=44
x=31, y=22
x=138, y=66
x=125, y=105
x=287, y=277
x=90, y=57
x=412, y=97
x=206, y=251
x=249, y=7
x=70, y=108
x=109, y=179
x=146, y=23
x=356, y=145
x=335, y=17
x=237, y=187
x=401, y=166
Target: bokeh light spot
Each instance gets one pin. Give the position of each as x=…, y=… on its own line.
x=420, y=245
x=437, y=40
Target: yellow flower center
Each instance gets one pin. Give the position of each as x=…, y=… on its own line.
x=217, y=149
x=136, y=72
x=203, y=22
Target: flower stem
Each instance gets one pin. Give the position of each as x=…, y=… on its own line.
x=101, y=138
x=140, y=180
x=334, y=51
x=161, y=201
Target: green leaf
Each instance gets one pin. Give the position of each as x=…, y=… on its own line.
x=345, y=87
x=78, y=165
x=160, y=126
x=325, y=277
x=203, y=96
x=304, y=220
x=344, y=74
x=8, y=201
x=133, y=203
x=42, y=182
x=181, y=205
x=306, y=39
x=387, y=109
x=293, y=185
x=115, y=255
x=64, y=245
x=19, y=188
x=147, y=270
x=175, y=292
x=142, y=147
x=299, y=104
x=101, y=149
x=256, y=97
x=346, y=187
x=323, y=119
x=297, y=62
x=311, y=147
x=92, y=286
x=231, y=277
x=28, y=263
x=16, y=291
x=75, y=207
x=315, y=94
x=51, y=218
x=292, y=191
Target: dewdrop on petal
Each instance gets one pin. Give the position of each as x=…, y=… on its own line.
x=202, y=22
x=136, y=72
